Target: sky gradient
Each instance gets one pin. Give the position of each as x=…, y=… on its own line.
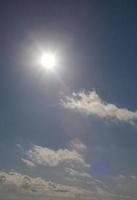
x=71, y=134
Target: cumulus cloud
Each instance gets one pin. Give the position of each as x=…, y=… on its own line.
x=90, y=103
x=70, y=157
x=16, y=183
x=22, y=182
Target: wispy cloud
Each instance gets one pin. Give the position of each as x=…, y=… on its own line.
x=124, y=185
x=90, y=103
x=16, y=182
x=28, y=162
x=69, y=157
x=24, y=187
x=74, y=173
x=78, y=146
x=26, y=183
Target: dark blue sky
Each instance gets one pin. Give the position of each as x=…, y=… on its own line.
x=97, y=45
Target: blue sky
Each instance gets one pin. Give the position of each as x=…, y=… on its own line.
x=71, y=133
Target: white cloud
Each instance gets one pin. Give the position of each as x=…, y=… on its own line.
x=16, y=183
x=77, y=145
x=28, y=162
x=76, y=174
x=71, y=157
x=69, y=162
x=90, y=103
x=22, y=182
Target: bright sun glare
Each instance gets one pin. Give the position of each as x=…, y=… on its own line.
x=48, y=61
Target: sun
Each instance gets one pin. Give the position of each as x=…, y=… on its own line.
x=48, y=61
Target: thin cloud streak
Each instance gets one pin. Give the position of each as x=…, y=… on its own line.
x=90, y=103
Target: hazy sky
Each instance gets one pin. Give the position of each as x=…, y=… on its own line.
x=72, y=133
